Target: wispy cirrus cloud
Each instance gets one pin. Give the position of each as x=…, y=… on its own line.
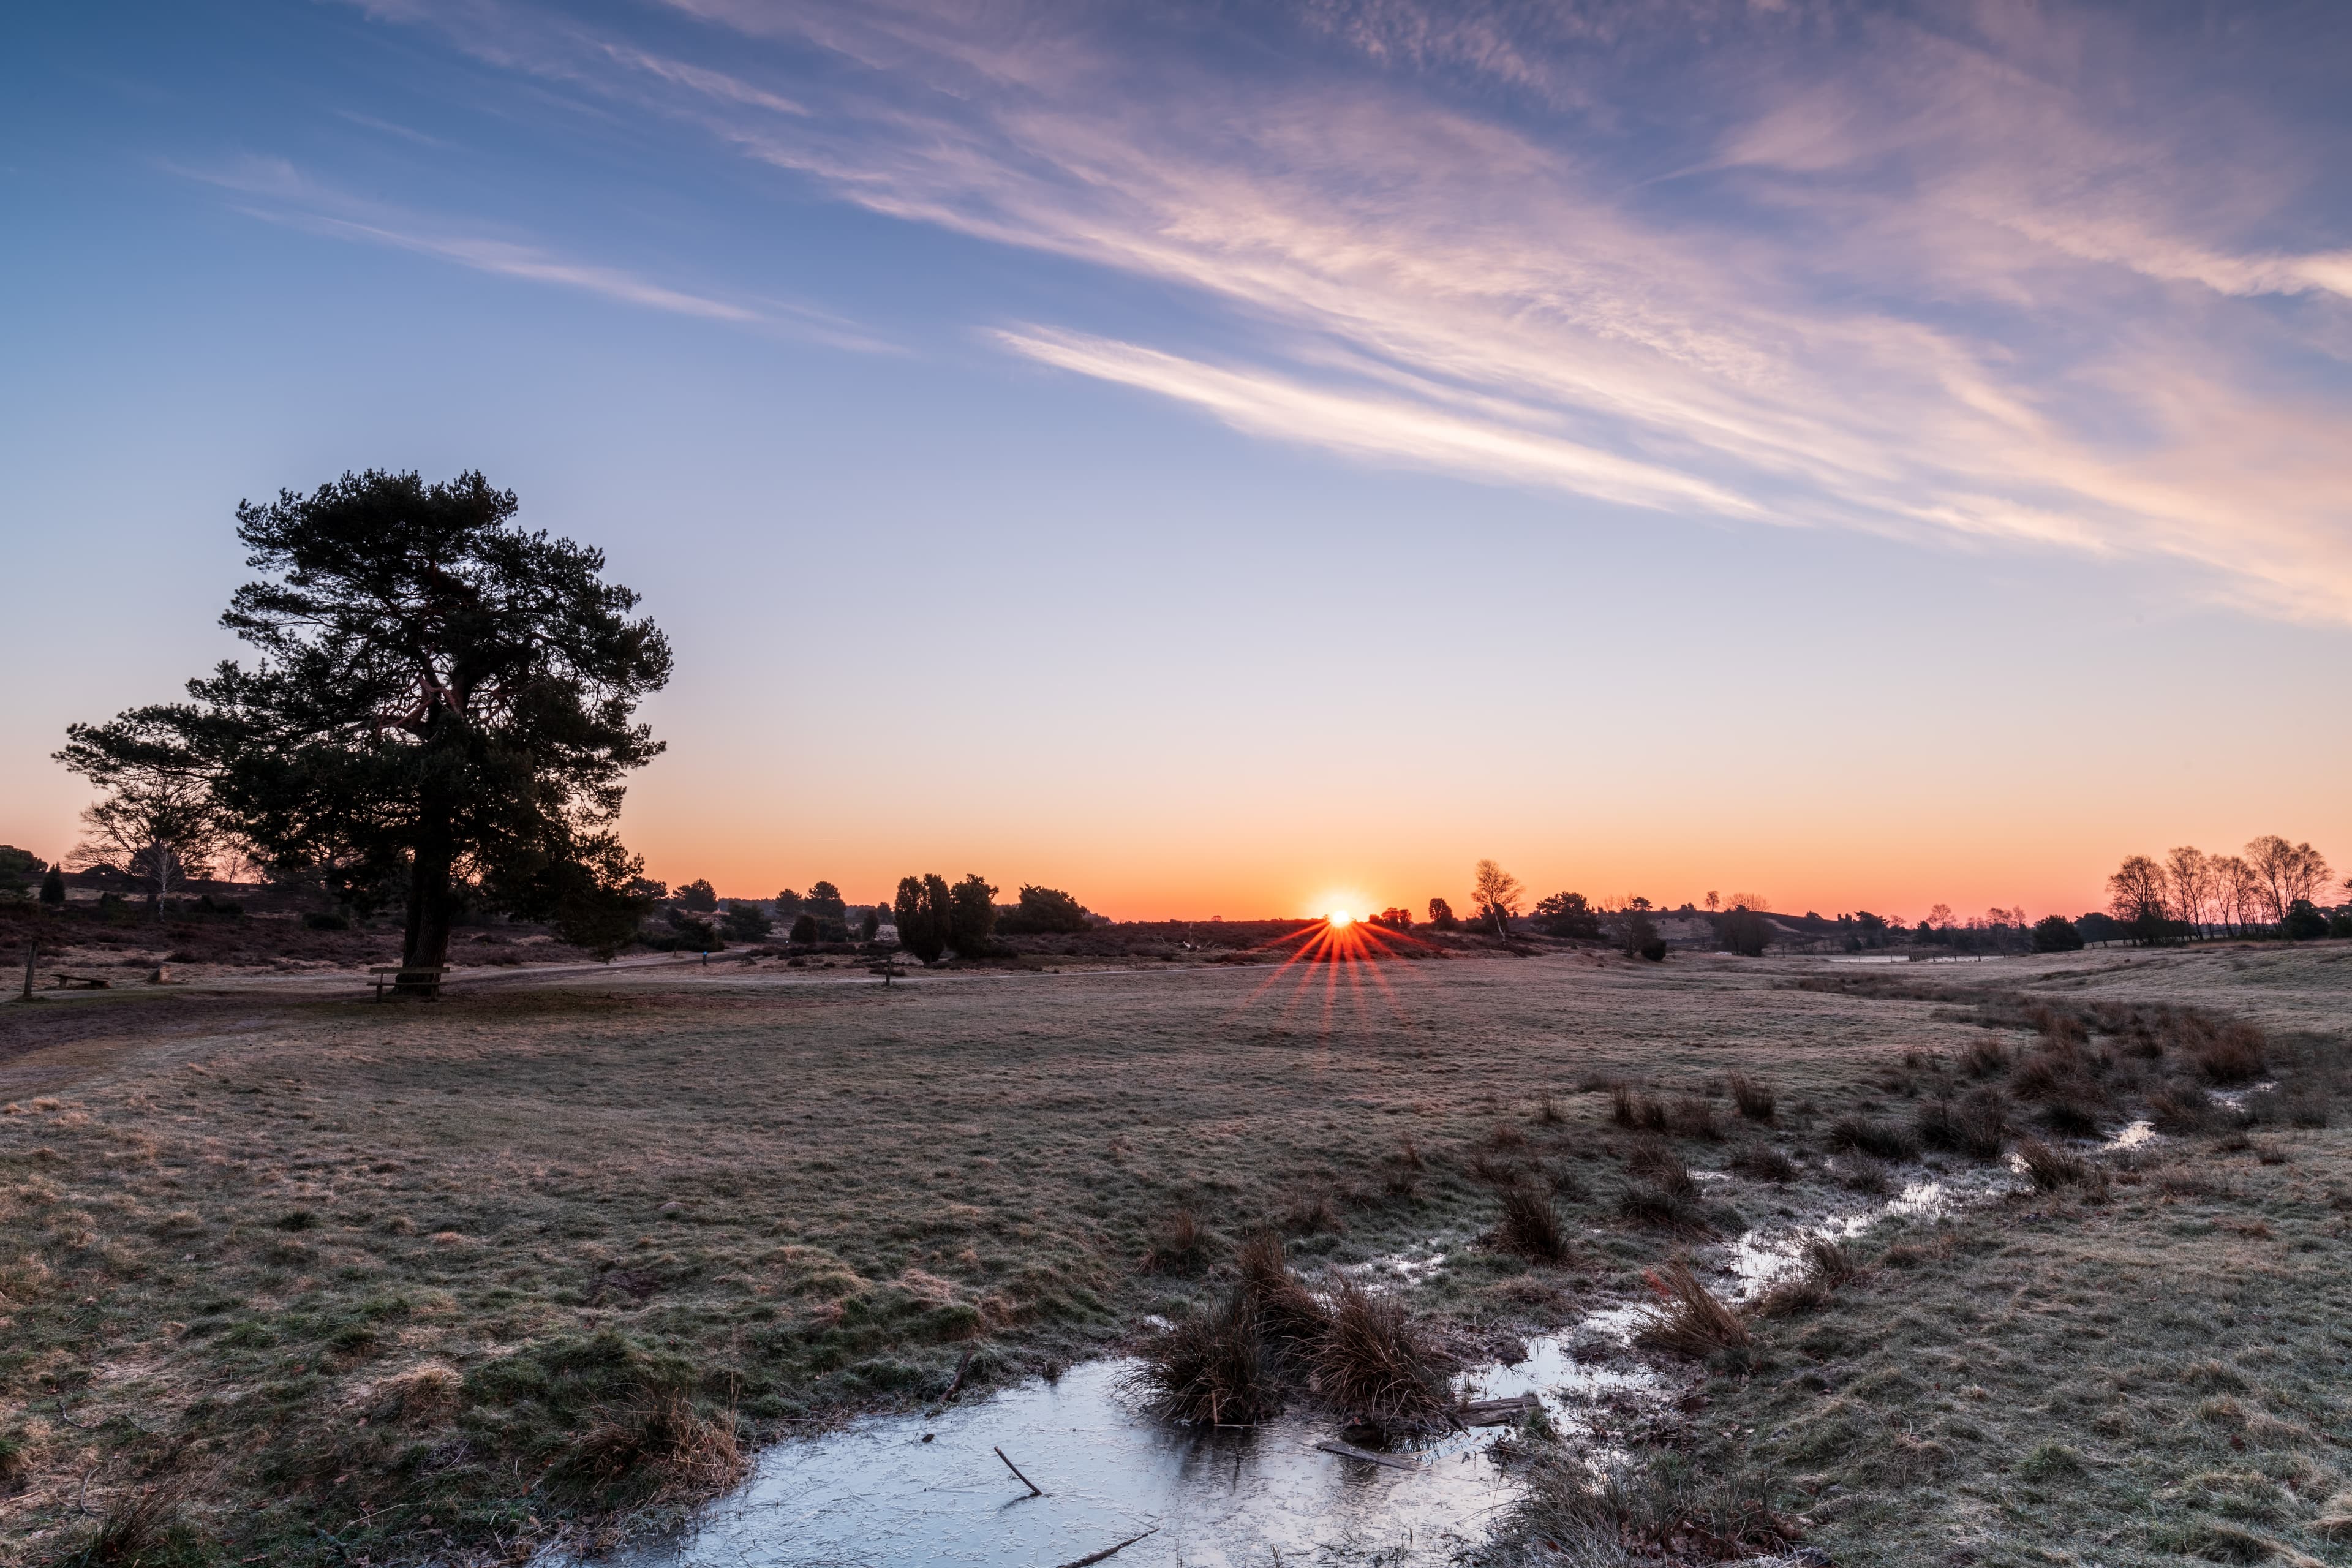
x=1922, y=274
x=275, y=191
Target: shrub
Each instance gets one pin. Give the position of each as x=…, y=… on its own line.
x=317, y=920
x=803, y=931
x=1043, y=911
x=2071, y=1116
x=1210, y=1366
x=1530, y=1227
x=1753, y=1098
x=745, y=923
x=1862, y=1173
x=1744, y=932
x=2057, y=933
x=1861, y=1135
x=1686, y=1319
x=1630, y=1110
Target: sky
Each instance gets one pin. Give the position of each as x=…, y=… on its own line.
x=1245, y=459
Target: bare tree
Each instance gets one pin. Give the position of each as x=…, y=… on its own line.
x=2136, y=894
x=1714, y=901
x=2234, y=895
x=1497, y=894
x=2285, y=873
x=2189, y=885
x=158, y=828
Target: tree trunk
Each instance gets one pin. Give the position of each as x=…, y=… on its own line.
x=426, y=944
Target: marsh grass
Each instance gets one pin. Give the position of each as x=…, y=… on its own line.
x=1686, y=1319
x=1868, y=1135
x=1529, y=1225
x=2052, y=1167
x=1291, y=1318
x=1975, y=1124
x=1762, y=1162
x=1210, y=1365
x=1373, y=1365
x=1182, y=1245
x=1753, y=1096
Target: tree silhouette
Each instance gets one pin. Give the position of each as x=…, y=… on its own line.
x=439, y=697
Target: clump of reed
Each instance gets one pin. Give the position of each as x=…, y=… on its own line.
x=1864, y=1174
x=1664, y=1194
x=1238, y=1362
x=1313, y=1212
x=1976, y=1125
x=1753, y=1097
x=1881, y=1139
x=1688, y=1319
x=1211, y=1365
x=1985, y=1059
x=1636, y=1111
x=1529, y=1225
x=1549, y=1113
x=1653, y=1160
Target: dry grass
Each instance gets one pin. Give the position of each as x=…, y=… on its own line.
x=1530, y=1227
x=1290, y=1316
x=1762, y=1162
x=1373, y=1366
x=1753, y=1096
x=1210, y=1366
x=1976, y=1124
x=789, y=1196
x=1879, y=1139
x=2052, y=1167
x=1182, y=1245
x=1686, y=1319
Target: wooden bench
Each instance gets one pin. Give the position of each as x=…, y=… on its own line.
x=392, y=973
x=82, y=982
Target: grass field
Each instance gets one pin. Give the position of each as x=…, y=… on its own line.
x=298, y=1278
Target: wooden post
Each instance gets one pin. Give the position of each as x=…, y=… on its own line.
x=32, y=957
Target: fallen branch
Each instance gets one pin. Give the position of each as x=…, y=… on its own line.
x=1107, y=1551
x=955, y=1383
x=1349, y=1450
x=1034, y=1489
x=1494, y=1412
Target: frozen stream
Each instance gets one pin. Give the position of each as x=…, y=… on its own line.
x=930, y=1489
x=877, y=1492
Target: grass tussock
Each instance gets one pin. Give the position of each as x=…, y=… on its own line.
x=1529, y=1225
x=655, y=1443
x=1636, y=1111
x=1762, y=1162
x=147, y=1528
x=1180, y=1247
x=1549, y=1113
x=2052, y=1167
x=1985, y=1059
x=1824, y=1266
x=1661, y=1506
x=2180, y=1108
x=1288, y=1316
x=1975, y=1125
x=2231, y=1054
x=1753, y=1097
x=1866, y=1135
x=1686, y=1319
x=1211, y=1366
x=1694, y=1116
x=1864, y=1174
x=1373, y=1366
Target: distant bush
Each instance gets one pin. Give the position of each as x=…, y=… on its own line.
x=804, y=932
x=1568, y=915
x=1744, y=932
x=745, y=923
x=1393, y=918
x=2057, y=933
x=2304, y=923
x=1043, y=911
x=1441, y=915
x=699, y=936
x=971, y=916
x=316, y=921
x=923, y=910
x=698, y=896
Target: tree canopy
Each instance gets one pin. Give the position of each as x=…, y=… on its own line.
x=439, y=696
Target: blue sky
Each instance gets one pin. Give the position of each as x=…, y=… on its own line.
x=1222, y=458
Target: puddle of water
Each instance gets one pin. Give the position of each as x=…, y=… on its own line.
x=1762, y=1258
x=876, y=1493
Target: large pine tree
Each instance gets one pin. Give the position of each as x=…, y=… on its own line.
x=440, y=697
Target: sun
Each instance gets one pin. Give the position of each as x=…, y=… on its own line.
x=1338, y=920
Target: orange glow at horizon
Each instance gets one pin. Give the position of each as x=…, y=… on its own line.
x=1338, y=920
